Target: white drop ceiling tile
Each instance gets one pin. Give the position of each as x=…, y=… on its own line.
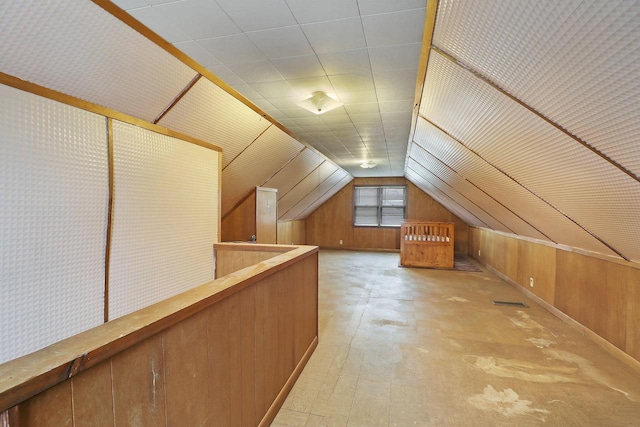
x=256, y=72
x=536, y=154
x=403, y=77
x=130, y=4
x=346, y=62
x=264, y=158
x=47, y=44
x=394, y=28
x=405, y=106
x=200, y=19
x=307, y=11
x=276, y=89
x=297, y=113
x=281, y=42
x=395, y=94
x=395, y=57
x=372, y=7
x=572, y=62
x=358, y=97
x=160, y=24
x=399, y=119
x=211, y=114
x=234, y=49
x=364, y=108
x=253, y=15
x=370, y=129
x=248, y=92
x=278, y=115
x=195, y=51
x=333, y=36
x=294, y=172
x=310, y=122
x=332, y=121
x=366, y=118
x=306, y=86
x=285, y=103
x=299, y=66
x=352, y=82
x=225, y=74
x=263, y=104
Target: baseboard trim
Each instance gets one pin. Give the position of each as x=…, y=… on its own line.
x=606, y=345
x=282, y=396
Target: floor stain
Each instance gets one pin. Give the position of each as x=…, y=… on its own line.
x=506, y=368
x=457, y=299
x=540, y=342
x=506, y=402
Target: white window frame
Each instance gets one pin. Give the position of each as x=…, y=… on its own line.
x=379, y=206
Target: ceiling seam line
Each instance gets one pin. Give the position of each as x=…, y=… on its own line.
x=451, y=199
x=425, y=51
x=248, y=145
x=620, y=254
x=487, y=194
x=465, y=197
x=177, y=99
x=538, y=114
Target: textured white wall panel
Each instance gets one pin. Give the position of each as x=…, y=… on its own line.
x=297, y=211
x=576, y=181
x=346, y=179
x=441, y=198
x=575, y=62
x=77, y=48
x=164, y=218
x=54, y=189
x=515, y=197
x=304, y=187
x=260, y=161
x=508, y=219
x=294, y=172
x=211, y=114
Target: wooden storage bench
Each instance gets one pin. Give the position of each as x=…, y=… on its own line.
x=426, y=244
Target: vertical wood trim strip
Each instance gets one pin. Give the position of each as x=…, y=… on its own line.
x=109, y=219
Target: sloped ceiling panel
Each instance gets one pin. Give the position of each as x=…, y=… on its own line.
x=555, y=226
x=304, y=187
x=574, y=62
x=441, y=198
x=208, y=112
x=346, y=179
x=578, y=182
x=256, y=164
x=294, y=171
x=437, y=183
x=79, y=49
x=297, y=211
x=507, y=218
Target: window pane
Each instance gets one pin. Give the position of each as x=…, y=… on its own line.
x=366, y=216
x=393, y=196
x=392, y=216
x=366, y=196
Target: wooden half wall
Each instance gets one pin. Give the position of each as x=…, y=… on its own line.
x=333, y=221
x=599, y=295
x=223, y=354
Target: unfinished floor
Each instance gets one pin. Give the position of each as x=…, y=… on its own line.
x=420, y=347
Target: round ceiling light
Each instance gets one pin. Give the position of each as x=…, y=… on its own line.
x=369, y=164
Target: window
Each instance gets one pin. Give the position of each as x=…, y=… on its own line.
x=379, y=206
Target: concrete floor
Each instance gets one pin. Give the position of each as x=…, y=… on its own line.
x=419, y=347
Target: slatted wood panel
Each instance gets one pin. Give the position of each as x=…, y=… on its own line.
x=224, y=364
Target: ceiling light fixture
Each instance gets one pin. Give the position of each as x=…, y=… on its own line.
x=368, y=164
x=320, y=102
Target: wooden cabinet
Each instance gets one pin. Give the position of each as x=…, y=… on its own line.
x=256, y=215
x=426, y=244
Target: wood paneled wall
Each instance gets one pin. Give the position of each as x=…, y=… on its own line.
x=601, y=295
x=229, y=362
x=292, y=232
x=333, y=221
x=256, y=214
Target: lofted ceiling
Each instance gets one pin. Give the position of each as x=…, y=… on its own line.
x=519, y=117
x=278, y=52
